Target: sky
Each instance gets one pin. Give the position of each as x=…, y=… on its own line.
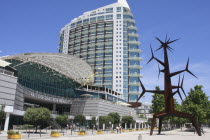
x=33, y=26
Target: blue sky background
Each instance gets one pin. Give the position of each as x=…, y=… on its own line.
x=34, y=25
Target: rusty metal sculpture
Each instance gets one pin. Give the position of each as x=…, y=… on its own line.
x=168, y=89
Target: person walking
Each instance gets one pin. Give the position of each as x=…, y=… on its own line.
x=117, y=128
x=120, y=128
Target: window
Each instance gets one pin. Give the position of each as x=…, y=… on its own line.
x=79, y=22
x=86, y=20
x=118, y=16
x=118, y=9
x=100, y=18
x=109, y=17
x=109, y=10
x=93, y=19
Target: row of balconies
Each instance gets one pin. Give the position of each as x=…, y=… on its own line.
x=135, y=50
x=130, y=20
x=91, y=29
x=134, y=42
x=99, y=35
x=128, y=13
x=93, y=43
x=132, y=27
x=133, y=34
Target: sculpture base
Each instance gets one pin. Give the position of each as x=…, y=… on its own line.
x=163, y=114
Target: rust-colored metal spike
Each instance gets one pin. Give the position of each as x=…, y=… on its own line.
x=187, y=69
x=159, y=71
x=142, y=86
x=143, y=90
x=178, y=91
x=172, y=41
x=159, y=40
x=166, y=38
x=182, y=86
x=152, y=55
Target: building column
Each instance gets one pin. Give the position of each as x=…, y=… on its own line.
x=112, y=126
x=54, y=107
x=135, y=126
x=139, y=126
x=103, y=126
x=6, y=124
x=125, y=126
x=131, y=125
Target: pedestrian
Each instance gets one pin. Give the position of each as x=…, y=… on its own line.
x=117, y=128
x=202, y=131
x=67, y=126
x=120, y=128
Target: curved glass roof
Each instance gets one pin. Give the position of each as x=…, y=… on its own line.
x=70, y=66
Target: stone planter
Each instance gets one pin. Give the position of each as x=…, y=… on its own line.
x=55, y=135
x=82, y=133
x=100, y=132
x=123, y=130
x=18, y=136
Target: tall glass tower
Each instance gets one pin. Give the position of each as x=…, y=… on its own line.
x=107, y=39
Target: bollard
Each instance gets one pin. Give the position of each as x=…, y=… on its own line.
x=40, y=133
x=140, y=137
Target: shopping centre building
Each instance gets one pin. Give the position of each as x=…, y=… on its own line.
x=54, y=81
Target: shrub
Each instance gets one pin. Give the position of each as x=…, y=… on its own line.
x=112, y=131
x=99, y=131
x=54, y=132
x=130, y=129
x=17, y=133
x=10, y=132
x=82, y=131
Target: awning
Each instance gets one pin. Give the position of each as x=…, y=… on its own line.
x=123, y=103
x=4, y=63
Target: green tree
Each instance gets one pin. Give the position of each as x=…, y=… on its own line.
x=36, y=116
x=80, y=119
x=127, y=119
x=62, y=119
x=105, y=119
x=197, y=104
x=93, y=121
x=157, y=102
x=158, y=105
x=115, y=116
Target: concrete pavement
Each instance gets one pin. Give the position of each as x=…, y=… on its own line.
x=166, y=135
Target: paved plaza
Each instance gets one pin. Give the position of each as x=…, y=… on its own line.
x=166, y=135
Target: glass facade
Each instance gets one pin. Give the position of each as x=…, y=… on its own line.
x=94, y=43
x=46, y=81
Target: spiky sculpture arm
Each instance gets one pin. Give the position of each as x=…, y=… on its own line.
x=151, y=91
x=178, y=87
x=153, y=57
x=186, y=69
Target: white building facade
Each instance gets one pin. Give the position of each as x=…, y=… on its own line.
x=107, y=39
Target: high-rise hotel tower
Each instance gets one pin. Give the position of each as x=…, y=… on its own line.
x=107, y=39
